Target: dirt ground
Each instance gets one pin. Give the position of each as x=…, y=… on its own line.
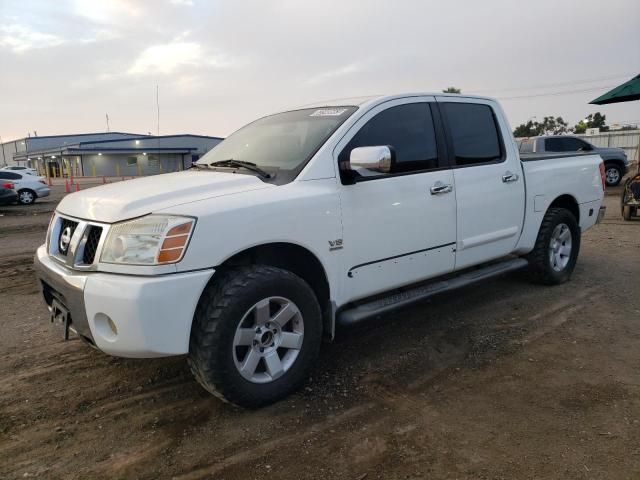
x=505, y=380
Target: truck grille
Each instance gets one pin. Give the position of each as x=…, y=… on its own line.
x=75, y=243
x=91, y=245
x=67, y=229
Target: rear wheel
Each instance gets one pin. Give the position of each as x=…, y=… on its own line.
x=26, y=197
x=554, y=256
x=256, y=332
x=613, y=174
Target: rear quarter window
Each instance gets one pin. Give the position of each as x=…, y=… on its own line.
x=10, y=176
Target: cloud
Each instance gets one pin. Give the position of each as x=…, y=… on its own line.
x=167, y=58
x=106, y=11
x=170, y=57
x=184, y=3
x=21, y=38
x=339, y=72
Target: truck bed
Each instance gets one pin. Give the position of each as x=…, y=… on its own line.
x=571, y=175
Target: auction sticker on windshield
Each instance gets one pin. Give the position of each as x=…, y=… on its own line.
x=328, y=112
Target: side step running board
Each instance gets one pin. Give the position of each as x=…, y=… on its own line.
x=405, y=298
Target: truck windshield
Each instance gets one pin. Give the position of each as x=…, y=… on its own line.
x=280, y=144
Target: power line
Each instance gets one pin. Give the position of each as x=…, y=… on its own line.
x=555, y=94
x=550, y=85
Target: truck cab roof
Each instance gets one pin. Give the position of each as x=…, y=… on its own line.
x=377, y=99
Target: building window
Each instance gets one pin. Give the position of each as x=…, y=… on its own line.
x=153, y=160
x=132, y=161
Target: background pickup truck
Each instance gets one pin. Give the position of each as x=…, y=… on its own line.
x=329, y=214
x=616, y=163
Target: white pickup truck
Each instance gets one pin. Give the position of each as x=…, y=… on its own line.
x=329, y=214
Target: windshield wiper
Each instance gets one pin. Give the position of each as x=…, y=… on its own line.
x=241, y=164
x=198, y=165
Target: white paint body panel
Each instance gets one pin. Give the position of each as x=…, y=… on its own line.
x=133, y=198
x=394, y=232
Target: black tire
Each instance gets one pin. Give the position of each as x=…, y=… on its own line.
x=541, y=268
x=618, y=169
x=219, y=313
x=26, y=196
x=626, y=213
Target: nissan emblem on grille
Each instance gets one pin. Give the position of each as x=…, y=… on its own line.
x=65, y=239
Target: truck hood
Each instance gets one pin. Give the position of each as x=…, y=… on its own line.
x=133, y=198
x=610, y=152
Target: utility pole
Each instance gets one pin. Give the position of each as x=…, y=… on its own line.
x=158, y=107
x=4, y=160
x=107, y=116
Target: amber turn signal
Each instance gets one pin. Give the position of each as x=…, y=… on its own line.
x=174, y=243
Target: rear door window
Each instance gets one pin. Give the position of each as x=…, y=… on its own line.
x=474, y=133
x=564, y=144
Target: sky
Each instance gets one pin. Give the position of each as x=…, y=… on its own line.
x=66, y=64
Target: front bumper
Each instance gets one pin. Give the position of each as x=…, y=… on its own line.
x=125, y=315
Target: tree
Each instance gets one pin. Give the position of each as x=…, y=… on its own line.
x=529, y=129
x=452, y=90
x=580, y=127
x=553, y=126
x=548, y=126
x=597, y=120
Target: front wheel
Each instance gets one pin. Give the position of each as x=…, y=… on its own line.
x=255, y=335
x=555, y=254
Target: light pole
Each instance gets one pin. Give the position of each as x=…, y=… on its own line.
x=4, y=160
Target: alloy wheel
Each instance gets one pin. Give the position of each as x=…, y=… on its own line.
x=560, y=247
x=268, y=339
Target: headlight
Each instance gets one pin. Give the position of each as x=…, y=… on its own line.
x=150, y=240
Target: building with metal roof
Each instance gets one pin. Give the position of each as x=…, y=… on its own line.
x=107, y=154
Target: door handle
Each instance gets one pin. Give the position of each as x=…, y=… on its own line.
x=510, y=177
x=440, y=187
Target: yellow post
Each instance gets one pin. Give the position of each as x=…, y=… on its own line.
x=139, y=169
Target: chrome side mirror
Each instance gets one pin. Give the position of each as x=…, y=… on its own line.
x=369, y=161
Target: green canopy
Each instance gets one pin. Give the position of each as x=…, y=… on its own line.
x=622, y=93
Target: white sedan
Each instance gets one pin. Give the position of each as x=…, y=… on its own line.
x=20, y=169
x=29, y=187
